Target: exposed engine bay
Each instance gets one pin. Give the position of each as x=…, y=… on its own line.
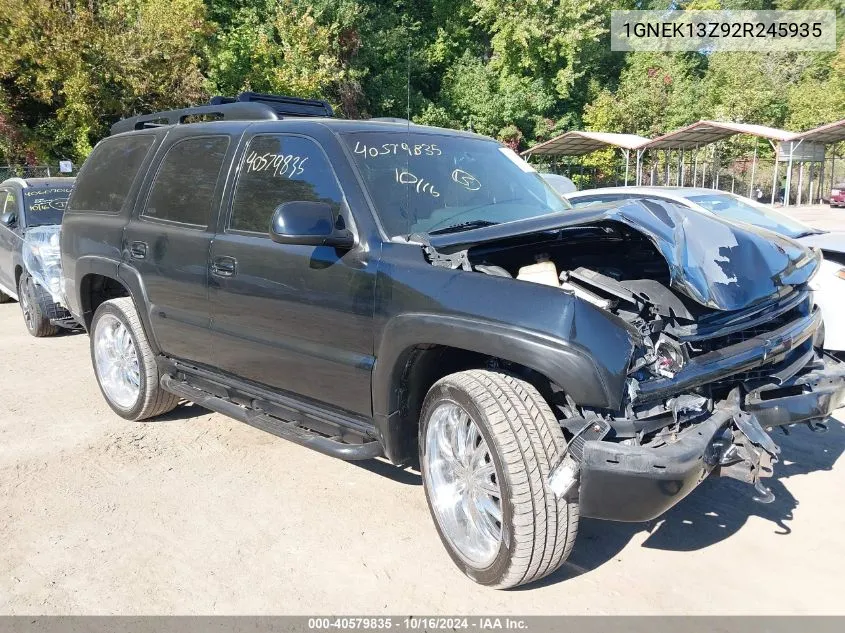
x=724, y=326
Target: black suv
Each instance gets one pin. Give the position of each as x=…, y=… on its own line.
x=375, y=288
x=32, y=208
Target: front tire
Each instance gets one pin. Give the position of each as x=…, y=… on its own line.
x=34, y=301
x=488, y=442
x=125, y=364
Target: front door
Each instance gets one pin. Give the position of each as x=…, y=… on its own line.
x=168, y=242
x=292, y=317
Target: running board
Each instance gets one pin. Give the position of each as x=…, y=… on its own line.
x=275, y=426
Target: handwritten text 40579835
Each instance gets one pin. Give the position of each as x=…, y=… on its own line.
x=288, y=165
x=393, y=149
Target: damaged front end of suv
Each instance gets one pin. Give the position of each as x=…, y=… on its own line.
x=726, y=345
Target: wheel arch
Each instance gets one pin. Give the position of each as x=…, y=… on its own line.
x=101, y=279
x=419, y=349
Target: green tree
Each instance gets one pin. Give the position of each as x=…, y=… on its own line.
x=68, y=70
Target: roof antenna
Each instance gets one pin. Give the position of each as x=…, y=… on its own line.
x=408, y=85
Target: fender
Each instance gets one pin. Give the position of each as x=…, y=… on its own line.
x=87, y=265
x=563, y=362
x=131, y=280
x=17, y=262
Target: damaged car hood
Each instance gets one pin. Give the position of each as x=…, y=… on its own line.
x=719, y=264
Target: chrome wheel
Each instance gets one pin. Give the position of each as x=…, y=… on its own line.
x=463, y=485
x=116, y=361
x=26, y=305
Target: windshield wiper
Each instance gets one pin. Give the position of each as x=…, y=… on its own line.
x=463, y=226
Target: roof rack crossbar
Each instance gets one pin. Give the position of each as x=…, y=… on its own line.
x=235, y=111
x=282, y=105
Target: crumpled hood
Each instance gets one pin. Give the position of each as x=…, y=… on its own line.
x=719, y=264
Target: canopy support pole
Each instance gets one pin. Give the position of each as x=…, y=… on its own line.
x=800, y=184
x=753, y=170
x=680, y=167
x=810, y=178
x=714, y=184
x=821, y=175
x=627, y=154
x=786, y=192
x=774, y=172
x=695, y=166
x=639, y=165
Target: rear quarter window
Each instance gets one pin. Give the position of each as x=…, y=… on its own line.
x=107, y=176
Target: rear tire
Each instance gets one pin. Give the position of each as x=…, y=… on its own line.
x=34, y=302
x=4, y=298
x=486, y=484
x=124, y=363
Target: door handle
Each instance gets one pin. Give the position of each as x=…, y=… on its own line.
x=224, y=266
x=138, y=250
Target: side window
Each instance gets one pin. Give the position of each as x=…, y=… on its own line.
x=276, y=169
x=3, y=195
x=183, y=188
x=108, y=174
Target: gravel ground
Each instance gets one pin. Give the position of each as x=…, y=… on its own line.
x=197, y=513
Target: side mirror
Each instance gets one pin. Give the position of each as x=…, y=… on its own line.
x=308, y=223
x=9, y=219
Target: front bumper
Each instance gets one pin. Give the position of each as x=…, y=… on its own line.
x=636, y=483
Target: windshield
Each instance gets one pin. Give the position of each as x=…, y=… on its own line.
x=734, y=208
x=45, y=206
x=431, y=183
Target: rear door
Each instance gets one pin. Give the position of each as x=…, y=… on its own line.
x=168, y=239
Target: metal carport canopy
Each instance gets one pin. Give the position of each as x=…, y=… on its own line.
x=706, y=132
x=825, y=134
x=577, y=143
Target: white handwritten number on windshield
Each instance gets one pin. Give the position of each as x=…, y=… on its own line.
x=466, y=180
x=421, y=149
x=404, y=177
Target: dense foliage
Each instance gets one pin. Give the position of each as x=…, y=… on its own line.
x=521, y=70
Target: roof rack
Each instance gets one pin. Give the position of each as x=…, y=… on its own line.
x=281, y=104
x=247, y=106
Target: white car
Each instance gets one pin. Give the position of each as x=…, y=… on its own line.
x=561, y=184
x=829, y=283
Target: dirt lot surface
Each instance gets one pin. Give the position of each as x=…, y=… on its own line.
x=196, y=513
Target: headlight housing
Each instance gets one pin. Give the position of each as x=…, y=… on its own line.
x=670, y=358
